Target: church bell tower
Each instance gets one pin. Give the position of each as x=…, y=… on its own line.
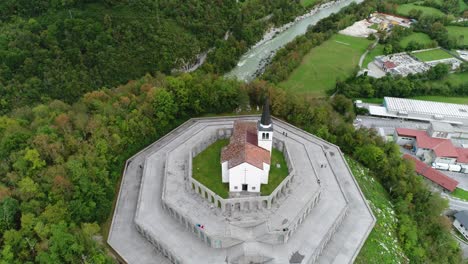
x=265, y=128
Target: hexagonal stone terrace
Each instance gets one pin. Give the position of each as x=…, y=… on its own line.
x=331, y=229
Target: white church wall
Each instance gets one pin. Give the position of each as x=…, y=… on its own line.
x=245, y=174
x=266, y=172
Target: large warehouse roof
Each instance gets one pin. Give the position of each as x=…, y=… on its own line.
x=425, y=107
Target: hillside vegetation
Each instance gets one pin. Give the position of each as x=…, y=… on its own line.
x=382, y=244
x=63, y=49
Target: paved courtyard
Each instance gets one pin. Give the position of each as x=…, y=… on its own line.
x=156, y=209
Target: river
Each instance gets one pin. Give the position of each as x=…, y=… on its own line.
x=253, y=62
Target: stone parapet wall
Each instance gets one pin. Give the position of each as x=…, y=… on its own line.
x=323, y=243
x=240, y=230
x=229, y=205
x=158, y=244
x=242, y=203
x=221, y=133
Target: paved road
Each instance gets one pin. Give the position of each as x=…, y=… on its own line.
x=388, y=124
x=455, y=204
x=462, y=178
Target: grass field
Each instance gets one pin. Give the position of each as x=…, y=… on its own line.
x=377, y=51
x=276, y=175
x=456, y=32
x=335, y=59
x=430, y=55
x=460, y=193
x=405, y=9
x=371, y=100
x=456, y=78
x=443, y=99
x=418, y=37
x=306, y=3
x=207, y=170
x=382, y=245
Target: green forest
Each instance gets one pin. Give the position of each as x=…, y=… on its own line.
x=84, y=85
x=60, y=163
x=63, y=49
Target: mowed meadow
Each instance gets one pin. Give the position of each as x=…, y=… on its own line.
x=336, y=58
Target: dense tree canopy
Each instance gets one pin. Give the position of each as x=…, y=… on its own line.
x=61, y=160
x=62, y=49
x=60, y=163
x=429, y=83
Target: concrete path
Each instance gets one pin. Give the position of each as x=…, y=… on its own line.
x=363, y=56
x=335, y=177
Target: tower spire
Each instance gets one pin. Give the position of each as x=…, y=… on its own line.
x=266, y=118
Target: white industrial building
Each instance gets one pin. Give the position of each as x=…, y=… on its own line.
x=412, y=109
x=245, y=162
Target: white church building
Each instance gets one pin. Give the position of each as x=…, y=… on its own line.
x=245, y=161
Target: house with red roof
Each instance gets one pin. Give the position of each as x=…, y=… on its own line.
x=245, y=162
x=431, y=149
x=433, y=175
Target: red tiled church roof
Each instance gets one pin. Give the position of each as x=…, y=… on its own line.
x=243, y=147
x=432, y=174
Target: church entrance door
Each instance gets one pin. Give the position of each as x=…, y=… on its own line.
x=244, y=187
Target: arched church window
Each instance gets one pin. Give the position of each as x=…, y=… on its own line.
x=263, y=135
x=267, y=135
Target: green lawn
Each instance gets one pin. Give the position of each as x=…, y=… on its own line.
x=306, y=3
x=335, y=59
x=460, y=193
x=456, y=78
x=276, y=175
x=382, y=245
x=418, y=37
x=377, y=51
x=405, y=9
x=371, y=100
x=460, y=33
x=206, y=168
x=430, y=55
x=443, y=99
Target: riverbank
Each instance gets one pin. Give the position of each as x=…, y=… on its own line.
x=254, y=62
x=272, y=32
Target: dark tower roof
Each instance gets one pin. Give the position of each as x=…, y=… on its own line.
x=266, y=118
